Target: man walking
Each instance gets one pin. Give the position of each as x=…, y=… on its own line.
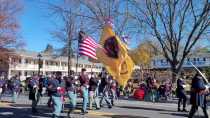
x=34, y=94
x=54, y=88
x=84, y=84
x=93, y=92
x=71, y=91
x=198, y=95
x=181, y=92
x=106, y=90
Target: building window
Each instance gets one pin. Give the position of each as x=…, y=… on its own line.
x=194, y=59
x=26, y=61
x=188, y=59
x=20, y=61
x=204, y=59
x=198, y=59
x=26, y=74
x=154, y=62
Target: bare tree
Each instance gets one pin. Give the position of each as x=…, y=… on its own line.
x=9, y=28
x=68, y=25
x=88, y=16
x=98, y=11
x=178, y=25
x=9, y=25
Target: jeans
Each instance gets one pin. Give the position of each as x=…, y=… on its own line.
x=114, y=96
x=14, y=96
x=106, y=97
x=73, y=100
x=57, y=106
x=93, y=98
x=85, y=98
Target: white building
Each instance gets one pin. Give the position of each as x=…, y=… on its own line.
x=25, y=64
x=199, y=60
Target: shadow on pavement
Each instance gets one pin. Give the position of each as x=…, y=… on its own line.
x=124, y=116
x=177, y=114
x=143, y=108
x=184, y=115
x=23, y=111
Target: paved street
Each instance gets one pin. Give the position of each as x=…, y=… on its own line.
x=123, y=109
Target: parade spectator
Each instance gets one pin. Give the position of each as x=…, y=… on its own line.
x=34, y=94
x=16, y=84
x=162, y=92
x=49, y=102
x=151, y=92
x=93, y=92
x=84, y=83
x=198, y=95
x=168, y=92
x=181, y=94
x=128, y=91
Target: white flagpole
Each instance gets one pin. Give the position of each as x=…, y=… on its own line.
x=204, y=77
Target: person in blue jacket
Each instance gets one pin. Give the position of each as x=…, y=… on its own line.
x=198, y=95
x=181, y=94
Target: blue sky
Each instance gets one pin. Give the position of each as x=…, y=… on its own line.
x=36, y=26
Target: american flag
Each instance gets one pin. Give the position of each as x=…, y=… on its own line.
x=88, y=47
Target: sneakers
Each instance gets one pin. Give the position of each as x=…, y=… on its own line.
x=84, y=112
x=54, y=116
x=98, y=108
x=179, y=110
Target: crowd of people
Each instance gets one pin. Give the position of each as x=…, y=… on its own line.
x=95, y=89
x=12, y=86
x=198, y=94
x=153, y=90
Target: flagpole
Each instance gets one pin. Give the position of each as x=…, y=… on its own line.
x=204, y=77
x=77, y=57
x=77, y=63
x=92, y=67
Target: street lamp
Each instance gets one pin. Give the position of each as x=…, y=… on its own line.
x=39, y=63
